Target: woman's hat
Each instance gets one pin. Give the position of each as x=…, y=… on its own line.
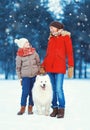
x=57, y=24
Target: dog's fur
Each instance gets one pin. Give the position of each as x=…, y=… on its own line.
x=42, y=94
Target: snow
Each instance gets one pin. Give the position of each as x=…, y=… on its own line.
x=77, y=112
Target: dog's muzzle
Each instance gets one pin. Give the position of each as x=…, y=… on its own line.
x=43, y=86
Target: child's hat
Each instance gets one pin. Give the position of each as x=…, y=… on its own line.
x=20, y=42
x=57, y=24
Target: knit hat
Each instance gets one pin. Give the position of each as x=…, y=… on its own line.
x=20, y=42
x=57, y=24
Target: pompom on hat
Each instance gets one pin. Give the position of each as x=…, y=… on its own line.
x=57, y=24
x=20, y=42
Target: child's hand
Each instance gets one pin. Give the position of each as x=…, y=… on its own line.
x=21, y=82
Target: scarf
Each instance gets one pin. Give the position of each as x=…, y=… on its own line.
x=25, y=51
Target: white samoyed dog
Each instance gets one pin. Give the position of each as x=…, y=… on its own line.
x=42, y=94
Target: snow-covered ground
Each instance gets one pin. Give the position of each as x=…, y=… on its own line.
x=77, y=114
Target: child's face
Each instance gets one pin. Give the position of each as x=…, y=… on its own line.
x=53, y=29
x=27, y=45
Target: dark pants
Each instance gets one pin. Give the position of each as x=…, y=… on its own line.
x=27, y=85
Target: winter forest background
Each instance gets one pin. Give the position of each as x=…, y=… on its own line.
x=31, y=19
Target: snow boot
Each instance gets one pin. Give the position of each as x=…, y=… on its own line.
x=54, y=113
x=22, y=110
x=30, y=109
x=60, y=113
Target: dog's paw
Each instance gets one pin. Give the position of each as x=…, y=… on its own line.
x=39, y=113
x=47, y=113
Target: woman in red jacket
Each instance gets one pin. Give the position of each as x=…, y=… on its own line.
x=59, y=49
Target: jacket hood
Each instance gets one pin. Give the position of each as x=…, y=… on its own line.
x=60, y=32
x=64, y=33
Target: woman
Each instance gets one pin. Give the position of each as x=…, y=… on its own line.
x=59, y=49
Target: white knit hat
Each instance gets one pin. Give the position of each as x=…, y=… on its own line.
x=20, y=42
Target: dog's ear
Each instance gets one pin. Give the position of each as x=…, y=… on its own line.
x=47, y=76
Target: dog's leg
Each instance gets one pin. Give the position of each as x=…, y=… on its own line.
x=39, y=109
x=47, y=109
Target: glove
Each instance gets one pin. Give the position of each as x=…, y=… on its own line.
x=70, y=72
x=42, y=70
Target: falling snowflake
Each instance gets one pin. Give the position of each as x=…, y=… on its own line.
x=70, y=14
x=10, y=16
x=16, y=5
x=7, y=30
x=26, y=26
x=86, y=19
x=78, y=24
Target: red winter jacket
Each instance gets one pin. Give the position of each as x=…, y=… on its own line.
x=59, y=49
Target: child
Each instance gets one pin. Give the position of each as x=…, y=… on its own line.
x=27, y=67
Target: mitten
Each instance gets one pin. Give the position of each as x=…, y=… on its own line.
x=70, y=72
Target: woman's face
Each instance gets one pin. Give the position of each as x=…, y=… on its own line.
x=53, y=30
x=27, y=45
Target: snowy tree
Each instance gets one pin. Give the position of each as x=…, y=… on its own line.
x=21, y=18
x=6, y=52
x=77, y=21
x=31, y=19
x=75, y=16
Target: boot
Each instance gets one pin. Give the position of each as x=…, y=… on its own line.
x=54, y=113
x=22, y=110
x=60, y=113
x=30, y=109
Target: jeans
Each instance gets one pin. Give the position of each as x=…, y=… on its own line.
x=58, y=93
x=27, y=85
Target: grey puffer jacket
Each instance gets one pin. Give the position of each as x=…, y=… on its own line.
x=27, y=66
